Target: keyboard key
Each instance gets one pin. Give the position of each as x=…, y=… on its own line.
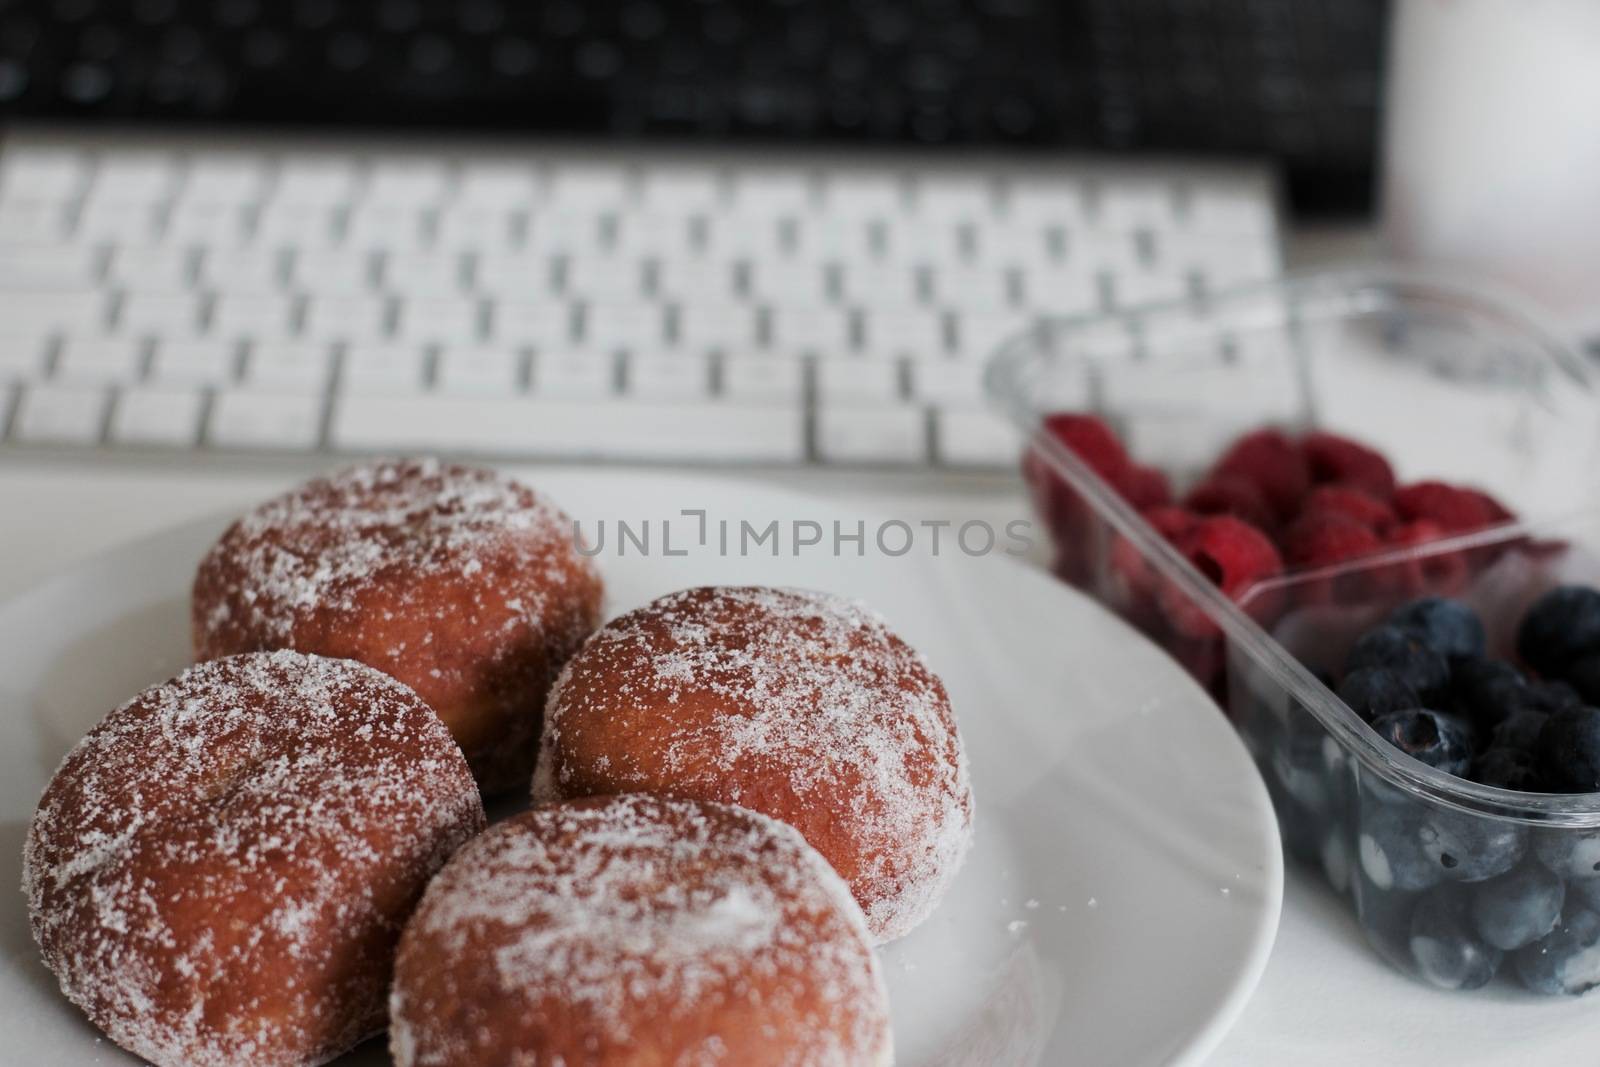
x=517, y=322
x=617, y=429
x=681, y=190
x=948, y=381
x=245, y=317
x=294, y=225
x=438, y=321
x=635, y=327
x=1229, y=210
x=948, y=198
x=978, y=336
x=45, y=312
x=654, y=377
x=1060, y=291
x=206, y=224
x=698, y=282
x=508, y=186
x=785, y=283
x=157, y=416
x=770, y=192
x=100, y=361
x=31, y=222
x=329, y=272
x=1132, y=204
x=742, y=235
x=763, y=377
x=294, y=367
x=134, y=178
x=588, y=186
x=193, y=362
x=608, y=279
x=873, y=434
x=150, y=269
x=224, y=178
x=164, y=314
x=829, y=238
x=356, y=319
x=862, y=195
x=430, y=274
x=979, y=289
x=518, y=275
x=702, y=327
x=472, y=228
x=491, y=371
x=557, y=233
x=975, y=438
x=267, y=421
x=1136, y=288
x=314, y=181
x=34, y=267
x=1047, y=202
x=818, y=332
x=243, y=271
x=653, y=235
x=22, y=356
x=127, y=223
x=411, y=183
x=384, y=226
x=919, y=335
x=60, y=415
x=576, y=374
x=858, y=380
x=46, y=174
x=878, y=286
x=385, y=368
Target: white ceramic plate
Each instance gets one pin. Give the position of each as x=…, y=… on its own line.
x=1123, y=893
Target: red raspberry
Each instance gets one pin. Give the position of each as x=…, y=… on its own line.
x=1171, y=522
x=1094, y=443
x=1146, y=487
x=1230, y=552
x=1223, y=494
x=1442, y=574
x=1455, y=509
x=1269, y=460
x=1353, y=503
x=1498, y=512
x=1325, y=538
x=1134, y=580
x=1332, y=458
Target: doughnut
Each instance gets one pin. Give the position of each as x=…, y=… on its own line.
x=461, y=583
x=801, y=705
x=642, y=931
x=219, y=871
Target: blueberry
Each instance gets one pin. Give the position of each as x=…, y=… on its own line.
x=1441, y=741
x=1550, y=696
x=1562, y=626
x=1445, y=944
x=1519, y=731
x=1568, y=750
x=1567, y=959
x=1584, y=676
x=1404, y=653
x=1508, y=768
x=1585, y=891
x=1573, y=853
x=1518, y=907
x=1385, y=916
x=1373, y=691
x=1486, y=690
x=1467, y=847
x=1448, y=627
x=1390, y=852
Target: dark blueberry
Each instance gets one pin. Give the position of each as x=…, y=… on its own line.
x=1404, y=653
x=1567, y=959
x=1486, y=690
x=1373, y=691
x=1568, y=751
x=1445, y=944
x=1518, y=907
x=1389, y=849
x=1519, y=730
x=1570, y=853
x=1448, y=627
x=1584, y=676
x=1562, y=626
x=1508, y=768
x=1441, y=741
x=1585, y=891
x=1550, y=696
x=1467, y=847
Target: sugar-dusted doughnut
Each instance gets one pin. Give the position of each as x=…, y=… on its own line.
x=638, y=930
x=460, y=582
x=219, y=871
x=801, y=705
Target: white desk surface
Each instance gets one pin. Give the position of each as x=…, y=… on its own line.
x=1325, y=1000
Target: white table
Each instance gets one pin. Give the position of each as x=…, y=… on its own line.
x=1325, y=998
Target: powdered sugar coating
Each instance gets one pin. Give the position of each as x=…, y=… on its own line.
x=638, y=929
x=798, y=704
x=460, y=582
x=219, y=871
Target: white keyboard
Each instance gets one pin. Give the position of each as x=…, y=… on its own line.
x=566, y=304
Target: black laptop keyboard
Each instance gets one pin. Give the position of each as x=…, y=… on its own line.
x=1295, y=79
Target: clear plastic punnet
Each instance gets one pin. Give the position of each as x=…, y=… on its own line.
x=1450, y=383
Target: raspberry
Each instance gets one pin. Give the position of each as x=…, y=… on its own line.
x=1455, y=509
x=1442, y=573
x=1093, y=442
x=1230, y=552
x=1223, y=494
x=1323, y=539
x=1134, y=580
x=1145, y=487
x=1345, y=499
x=1171, y=522
x=1269, y=460
x=1332, y=458
x=1498, y=512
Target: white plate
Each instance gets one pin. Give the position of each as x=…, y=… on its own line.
x=1119, y=903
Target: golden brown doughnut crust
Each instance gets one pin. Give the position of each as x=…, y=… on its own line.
x=638, y=931
x=463, y=584
x=219, y=871
x=801, y=705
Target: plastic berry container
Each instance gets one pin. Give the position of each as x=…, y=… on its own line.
x=1450, y=382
